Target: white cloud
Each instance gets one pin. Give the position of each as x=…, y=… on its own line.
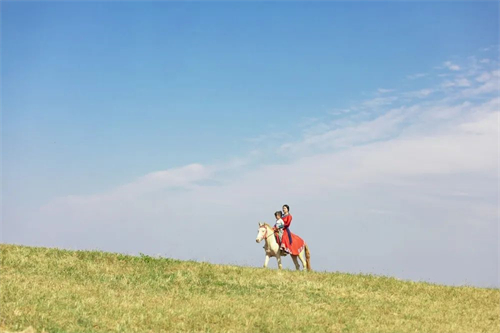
x=490, y=84
x=484, y=77
x=272, y=136
x=371, y=142
x=486, y=125
x=337, y=112
x=350, y=135
x=468, y=146
x=184, y=177
x=379, y=101
x=459, y=82
x=489, y=48
x=384, y=91
x=419, y=93
x=451, y=66
x=417, y=76
x=463, y=82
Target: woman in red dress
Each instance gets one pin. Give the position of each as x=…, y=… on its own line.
x=287, y=236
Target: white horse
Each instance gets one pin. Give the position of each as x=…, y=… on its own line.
x=272, y=249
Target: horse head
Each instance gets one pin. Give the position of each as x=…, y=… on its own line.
x=263, y=232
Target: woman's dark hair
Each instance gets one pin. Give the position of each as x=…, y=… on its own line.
x=287, y=207
x=278, y=213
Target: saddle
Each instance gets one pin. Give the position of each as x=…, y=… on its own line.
x=277, y=235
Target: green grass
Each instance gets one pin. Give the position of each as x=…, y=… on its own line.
x=88, y=291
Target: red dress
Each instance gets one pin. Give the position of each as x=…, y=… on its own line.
x=297, y=244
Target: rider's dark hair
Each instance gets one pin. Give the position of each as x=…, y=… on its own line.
x=287, y=207
x=278, y=213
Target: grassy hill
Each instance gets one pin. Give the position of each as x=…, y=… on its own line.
x=89, y=291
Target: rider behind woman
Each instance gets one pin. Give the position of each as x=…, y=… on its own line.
x=279, y=224
x=287, y=236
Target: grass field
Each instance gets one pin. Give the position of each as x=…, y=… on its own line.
x=89, y=291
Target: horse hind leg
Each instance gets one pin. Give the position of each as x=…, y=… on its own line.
x=302, y=259
x=297, y=266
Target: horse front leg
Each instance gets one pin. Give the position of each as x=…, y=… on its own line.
x=266, y=261
x=278, y=257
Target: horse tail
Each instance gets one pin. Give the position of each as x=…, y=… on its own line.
x=308, y=258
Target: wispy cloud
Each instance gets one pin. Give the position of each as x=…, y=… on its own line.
x=320, y=136
x=384, y=91
x=490, y=48
x=267, y=137
x=488, y=76
x=336, y=112
x=417, y=76
x=419, y=93
x=459, y=82
x=378, y=102
x=490, y=83
x=451, y=66
x=183, y=177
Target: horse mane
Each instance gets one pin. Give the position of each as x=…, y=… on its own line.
x=267, y=225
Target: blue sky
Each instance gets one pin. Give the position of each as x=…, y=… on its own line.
x=163, y=102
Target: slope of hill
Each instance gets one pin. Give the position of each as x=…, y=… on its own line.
x=89, y=291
